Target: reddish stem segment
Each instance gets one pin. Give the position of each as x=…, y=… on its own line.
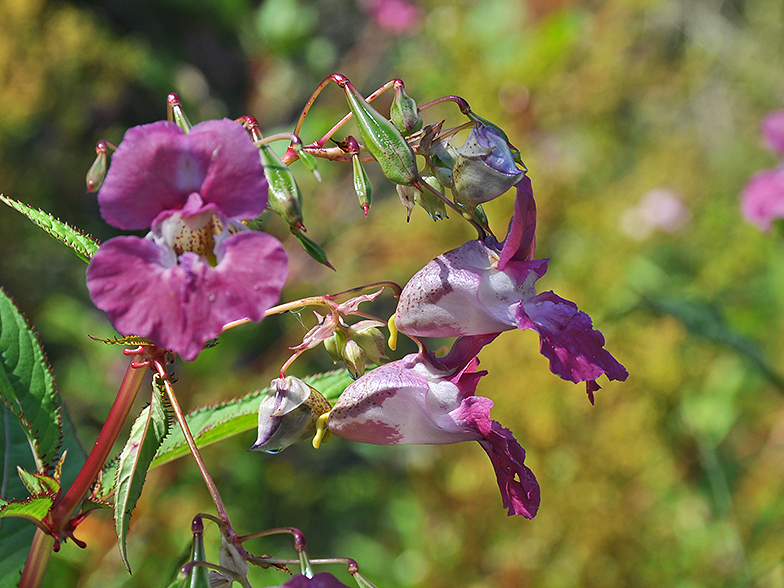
x=64, y=509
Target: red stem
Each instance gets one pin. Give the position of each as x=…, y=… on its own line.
x=64, y=509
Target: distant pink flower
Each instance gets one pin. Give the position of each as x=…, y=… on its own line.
x=396, y=16
x=425, y=400
x=763, y=198
x=198, y=268
x=484, y=287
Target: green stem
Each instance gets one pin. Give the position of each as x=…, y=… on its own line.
x=37, y=560
x=180, y=416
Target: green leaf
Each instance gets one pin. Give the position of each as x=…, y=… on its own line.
x=27, y=385
x=16, y=534
x=147, y=434
x=39, y=483
x=34, y=508
x=77, y=241
x=215, y=423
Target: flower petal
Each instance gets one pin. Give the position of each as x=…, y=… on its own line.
x=521, y=237
x=519, y=489
x=320, y=580
x=449, y=296
x=575, y=350
x=182, y=306
x=157, y=166
x=763, y=198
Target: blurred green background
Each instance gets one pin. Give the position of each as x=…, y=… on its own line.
x=639, y=123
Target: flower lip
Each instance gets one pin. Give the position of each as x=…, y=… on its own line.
x=157, y=167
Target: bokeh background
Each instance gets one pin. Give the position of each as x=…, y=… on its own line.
x=639, y=123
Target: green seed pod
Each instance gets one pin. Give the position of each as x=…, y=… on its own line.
x=361, y=184
x=382, y=140
x=404, y=112
x=285, y=198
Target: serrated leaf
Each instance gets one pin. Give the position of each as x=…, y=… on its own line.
x=34, y=508
x=26, y=385
x=77, y=241
x=215, y=423
x=38, y=484
x=15, y=534
x=146, y=436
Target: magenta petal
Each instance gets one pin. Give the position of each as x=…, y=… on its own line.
x=182, y=306
x=320, y=580
x=521, y=238
x=517, y=483
x=773, y=131
x=157, y=167
x=763, y=198
x=575, y=350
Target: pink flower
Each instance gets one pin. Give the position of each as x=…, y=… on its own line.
x=425, y=400
x=763, y=198
x=484, y=287
x=320, y=580
x=198, y=268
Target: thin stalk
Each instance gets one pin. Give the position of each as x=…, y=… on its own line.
x=180, y=416
x=37, y=560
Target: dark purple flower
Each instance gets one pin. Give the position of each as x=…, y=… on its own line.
x=484, y=287
x=320, y=580
x=763, y=198
x=424, y=400
x=198, y=268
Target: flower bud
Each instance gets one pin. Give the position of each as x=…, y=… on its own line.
x=354, y=358
x=382, y=140
x=288, y=414
x=97, y=172
x=483, y=121
x=369, y=339
x=403, y=111
x=361, y=180
x=433, y=205
x=285, y=198
x=336, y=344
x=485, y=168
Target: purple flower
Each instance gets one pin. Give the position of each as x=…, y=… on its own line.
x=424, y=400
x=484, y=287
x=198, y=268
x=320, y=580
x=763, y=197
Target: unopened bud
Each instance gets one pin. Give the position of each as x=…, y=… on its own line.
x=368, y=337
x=285, y=198
x=403, y=111
x=288, y=414
x=97, y=172
x=485, y=168
x=380, y=137
x=177, y=114
x=361, y=184
x=482, y=121
x=354, y=358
